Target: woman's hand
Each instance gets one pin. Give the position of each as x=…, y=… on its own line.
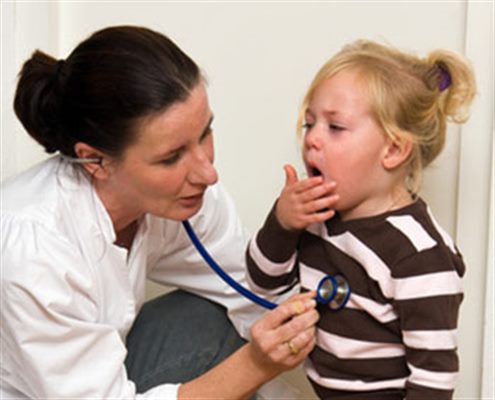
x=281, y=340
x=284, y=337
x=304, y=202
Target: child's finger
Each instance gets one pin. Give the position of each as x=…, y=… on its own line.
x=290, y=175
x=321, y=216
x=316, y=191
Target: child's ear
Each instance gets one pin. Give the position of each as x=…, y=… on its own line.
x=94, y=157
x=397, y=151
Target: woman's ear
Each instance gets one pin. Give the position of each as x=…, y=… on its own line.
x=397, y=151
x=91, y=159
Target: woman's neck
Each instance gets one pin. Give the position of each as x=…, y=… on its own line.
x=124, y=217
x=125, y=237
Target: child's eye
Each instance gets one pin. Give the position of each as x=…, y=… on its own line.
x=336, y=128
x=307, y=126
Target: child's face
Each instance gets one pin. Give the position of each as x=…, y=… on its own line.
x=344, y=144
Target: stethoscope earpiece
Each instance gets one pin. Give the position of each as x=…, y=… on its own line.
x=83, y=160
x=333, y=290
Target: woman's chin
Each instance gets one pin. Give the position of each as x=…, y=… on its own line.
x=179, y=212
x=182, y=213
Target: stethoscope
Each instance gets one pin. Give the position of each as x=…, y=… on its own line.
x=333, y=290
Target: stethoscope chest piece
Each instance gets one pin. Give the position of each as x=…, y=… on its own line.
x=333, y=290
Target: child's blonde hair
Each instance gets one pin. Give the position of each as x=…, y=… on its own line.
x=410, y=97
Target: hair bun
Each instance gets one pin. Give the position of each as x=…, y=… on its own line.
x=38, y=99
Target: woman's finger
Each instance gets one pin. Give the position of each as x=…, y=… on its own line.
x=293, y=352
x=299, y=342
x=296, y=325
x=295, y=305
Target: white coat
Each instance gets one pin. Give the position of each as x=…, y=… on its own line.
x=69, y=295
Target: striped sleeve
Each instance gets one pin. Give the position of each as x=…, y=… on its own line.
x=271, y=258
x=427, y=294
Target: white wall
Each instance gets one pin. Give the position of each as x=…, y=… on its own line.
x=474, y=225
x=259, y=58
x=22, y=32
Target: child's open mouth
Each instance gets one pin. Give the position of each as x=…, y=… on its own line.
x=313, y=171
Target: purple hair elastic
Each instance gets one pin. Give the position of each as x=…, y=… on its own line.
x=444, y=80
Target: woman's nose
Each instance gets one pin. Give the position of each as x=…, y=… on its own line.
x=202, y=171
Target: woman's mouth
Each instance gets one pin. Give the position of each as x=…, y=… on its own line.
x=191, y=201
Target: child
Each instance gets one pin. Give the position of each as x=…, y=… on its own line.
x=373, y=118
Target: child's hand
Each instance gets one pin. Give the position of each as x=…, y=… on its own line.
x=302, y=203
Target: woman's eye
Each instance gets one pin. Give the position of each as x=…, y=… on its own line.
x=172, y=159
x=207, y=133
x=307, y=126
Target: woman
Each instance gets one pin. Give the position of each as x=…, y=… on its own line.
x=128, y=114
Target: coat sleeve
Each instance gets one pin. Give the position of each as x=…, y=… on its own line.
x=53, y=345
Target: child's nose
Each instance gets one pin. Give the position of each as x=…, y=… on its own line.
x=312, y=139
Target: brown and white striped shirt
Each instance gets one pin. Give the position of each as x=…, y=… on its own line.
x=399, y=328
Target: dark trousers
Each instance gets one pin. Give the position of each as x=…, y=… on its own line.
x=178, y=337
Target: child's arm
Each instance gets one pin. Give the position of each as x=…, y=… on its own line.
x=429, y=316
x=271, y=254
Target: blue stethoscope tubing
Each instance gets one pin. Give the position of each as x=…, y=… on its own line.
x=339, y=287
x=212, y=263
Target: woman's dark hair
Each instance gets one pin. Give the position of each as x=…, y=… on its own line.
x=97, y=95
